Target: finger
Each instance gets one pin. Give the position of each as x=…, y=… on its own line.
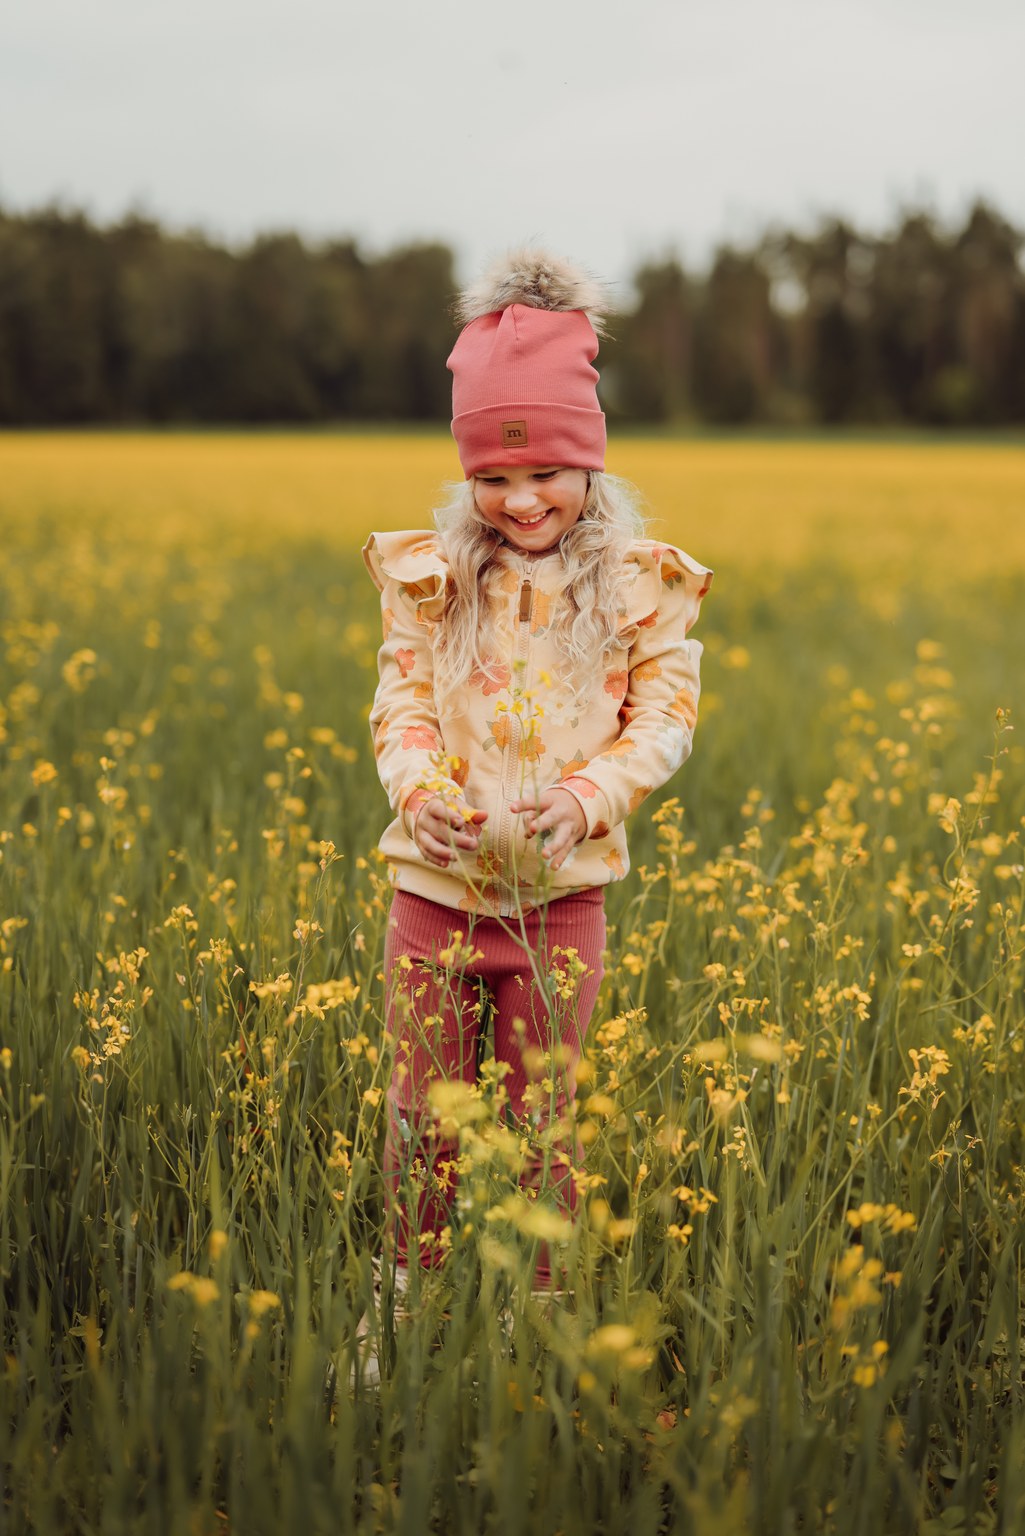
x=556, y=846
x=528, y=810
x=434, y=849
x=448, y=836
x=560, y=854
x=464, y=818
x=557, y=819
x=444, y=821
x=525, y=803
x=565, y=838
x=458, y=828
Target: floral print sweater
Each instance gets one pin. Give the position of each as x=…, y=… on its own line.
x=519, y=729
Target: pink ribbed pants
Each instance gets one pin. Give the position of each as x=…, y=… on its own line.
x=436, y=987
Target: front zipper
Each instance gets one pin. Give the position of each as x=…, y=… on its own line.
x=510, y=763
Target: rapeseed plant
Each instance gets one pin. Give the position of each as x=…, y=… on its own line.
x=796, y=1138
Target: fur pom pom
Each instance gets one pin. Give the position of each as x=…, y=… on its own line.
x=538, y=279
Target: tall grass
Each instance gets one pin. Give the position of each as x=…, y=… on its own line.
x=795, y=1273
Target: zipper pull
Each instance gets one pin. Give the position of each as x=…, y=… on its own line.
x=526, y=599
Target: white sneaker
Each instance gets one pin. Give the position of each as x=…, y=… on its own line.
x=364, y=1366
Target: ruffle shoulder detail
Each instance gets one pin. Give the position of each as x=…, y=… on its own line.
x=651, y=570
x=415, y=560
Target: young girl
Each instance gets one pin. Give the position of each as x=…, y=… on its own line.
x=536, y=684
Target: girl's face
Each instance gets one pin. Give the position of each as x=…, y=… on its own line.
x=531, y=506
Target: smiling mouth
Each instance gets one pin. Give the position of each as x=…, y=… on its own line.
x=531, y=522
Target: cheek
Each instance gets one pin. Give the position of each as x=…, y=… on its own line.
x=488, y=499
x=489, y=511
x=574, y=500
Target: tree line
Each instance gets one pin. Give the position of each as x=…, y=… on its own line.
x=131, y=323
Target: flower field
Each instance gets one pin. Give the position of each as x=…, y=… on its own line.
x=795, y=1273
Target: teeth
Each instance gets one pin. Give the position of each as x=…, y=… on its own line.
x=528, y=522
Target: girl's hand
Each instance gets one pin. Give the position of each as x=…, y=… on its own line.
x=557, y=812
x=437, y=829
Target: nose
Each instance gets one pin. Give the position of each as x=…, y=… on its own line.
x=521, y=498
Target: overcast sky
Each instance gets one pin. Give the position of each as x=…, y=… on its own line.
x=611, y=129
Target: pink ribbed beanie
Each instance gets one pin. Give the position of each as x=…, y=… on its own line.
x=523, y=385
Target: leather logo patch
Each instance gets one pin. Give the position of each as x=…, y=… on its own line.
x=514, y=434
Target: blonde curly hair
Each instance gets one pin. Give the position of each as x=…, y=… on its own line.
x=592, y=555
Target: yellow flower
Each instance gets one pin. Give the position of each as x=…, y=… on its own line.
x=261, y=1302
x=949, y=815
x=323, y=996
x=200, y=1288
x=454, y=1105
x=457, y=953
x=531, y=1219
x=280, y=986
x=611, y=1338
x=760, y=1047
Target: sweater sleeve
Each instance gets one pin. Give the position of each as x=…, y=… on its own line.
x=660, y=709
x=407, y=735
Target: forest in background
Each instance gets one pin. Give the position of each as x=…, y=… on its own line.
x=132, y=323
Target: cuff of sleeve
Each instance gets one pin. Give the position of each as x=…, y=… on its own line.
x=411, y=806
x=592, y=801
